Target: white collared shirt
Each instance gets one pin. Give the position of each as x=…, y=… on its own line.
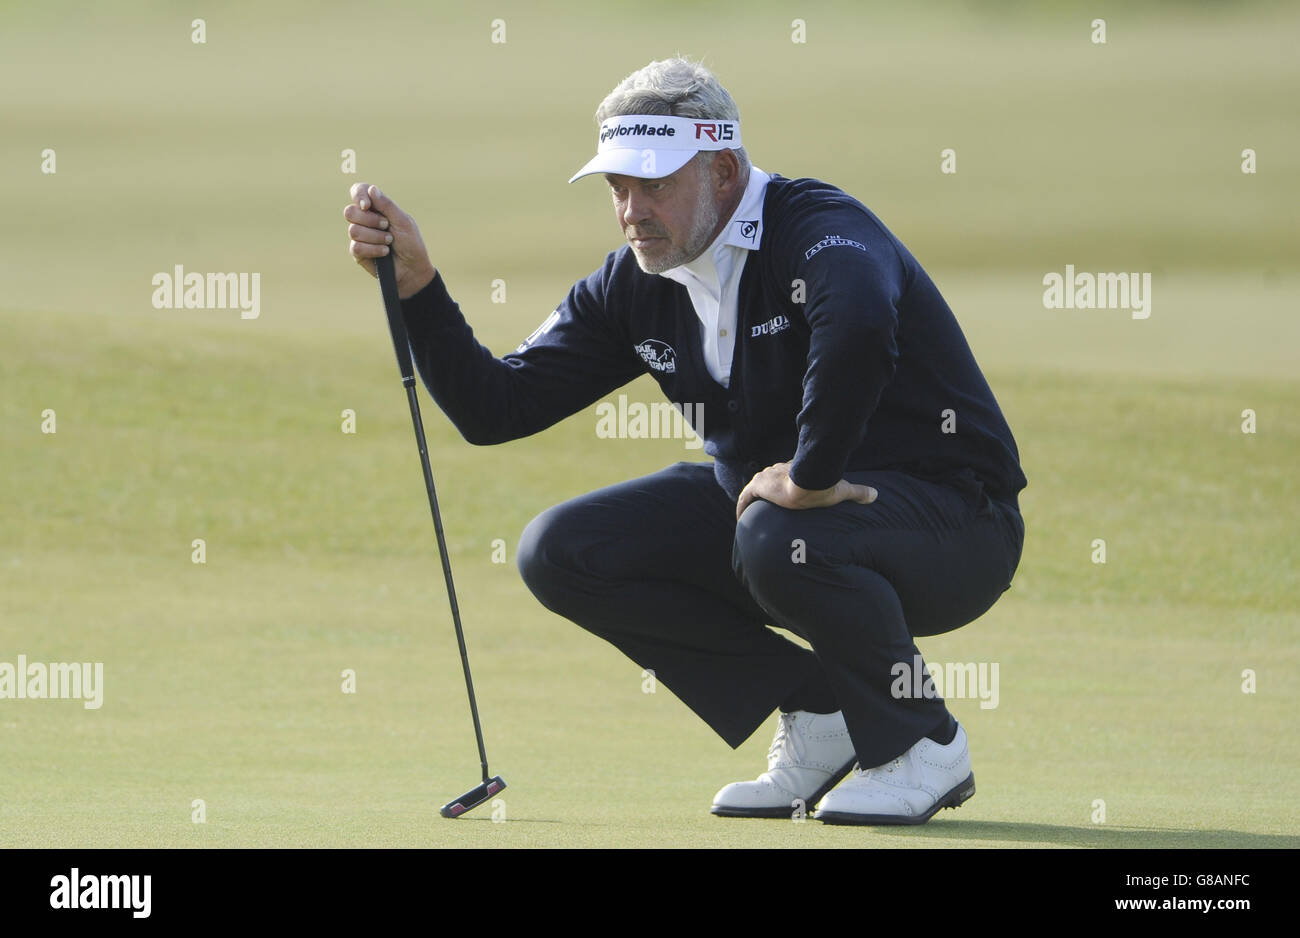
x=713, y=278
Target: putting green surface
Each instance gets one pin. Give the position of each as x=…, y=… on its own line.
x=1121, y=683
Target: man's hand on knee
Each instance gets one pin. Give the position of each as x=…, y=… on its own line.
x=774, y=485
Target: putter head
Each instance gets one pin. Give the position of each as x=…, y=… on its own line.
x=473, y=798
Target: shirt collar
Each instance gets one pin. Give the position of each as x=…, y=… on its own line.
x=744, y=230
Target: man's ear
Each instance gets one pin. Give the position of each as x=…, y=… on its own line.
x=726, y=169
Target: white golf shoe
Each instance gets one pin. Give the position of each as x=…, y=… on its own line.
x=908, y=790
x=810, y=754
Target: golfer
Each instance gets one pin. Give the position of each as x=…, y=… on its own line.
x=864, y=484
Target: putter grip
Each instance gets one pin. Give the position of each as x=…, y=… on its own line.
x=396, y=325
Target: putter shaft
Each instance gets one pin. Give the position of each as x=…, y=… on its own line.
x=402, y=347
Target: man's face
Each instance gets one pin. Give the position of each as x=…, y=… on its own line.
x=667, y=221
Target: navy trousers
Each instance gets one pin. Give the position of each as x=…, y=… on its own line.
x=659, y=567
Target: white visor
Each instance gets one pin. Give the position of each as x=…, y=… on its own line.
x=652, y=146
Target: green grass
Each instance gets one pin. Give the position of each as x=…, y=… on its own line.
x=1119, y=682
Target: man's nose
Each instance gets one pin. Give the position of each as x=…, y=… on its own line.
x=637, y=209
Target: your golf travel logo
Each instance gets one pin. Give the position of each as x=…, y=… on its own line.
x=1086, y=290
x=179, y=290
x=658, y=355
x=55, y=680
x=952, y=680
x=87, y=891
x=655, y=421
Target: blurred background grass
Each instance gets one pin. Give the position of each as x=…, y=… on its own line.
x=1116, y=156
x=1119, y=681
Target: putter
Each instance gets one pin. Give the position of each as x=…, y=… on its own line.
x=402, y=345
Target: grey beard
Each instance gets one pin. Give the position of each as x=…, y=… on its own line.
x=706, y=219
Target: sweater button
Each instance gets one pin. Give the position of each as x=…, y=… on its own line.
x=733, y=406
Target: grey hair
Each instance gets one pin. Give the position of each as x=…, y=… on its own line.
x=674, y=87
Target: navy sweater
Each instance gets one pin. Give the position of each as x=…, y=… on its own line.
x=846, y=357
